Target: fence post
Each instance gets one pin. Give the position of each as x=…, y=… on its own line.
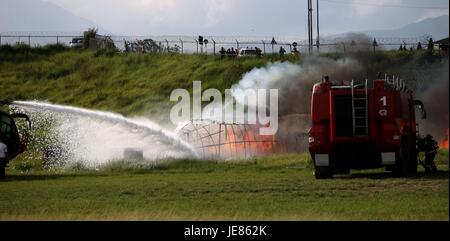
x=57, y=39
x=182, y=46
x=196, y=41
x=237, y=45
x=264, y=46
x=29, y=40
x=375, y=44
x=167, y=43
x=0, y=40
x=214, y=47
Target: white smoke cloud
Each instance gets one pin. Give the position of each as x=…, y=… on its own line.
x=294, y=81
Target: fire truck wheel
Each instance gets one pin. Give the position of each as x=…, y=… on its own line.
x=405, y=165
x=323, y=173
x=401, y=169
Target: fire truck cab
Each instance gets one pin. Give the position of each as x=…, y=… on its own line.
x=9, y=135
x=363, y=125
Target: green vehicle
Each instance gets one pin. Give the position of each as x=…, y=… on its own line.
x=9, y=135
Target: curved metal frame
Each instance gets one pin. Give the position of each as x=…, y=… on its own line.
x=240, y=142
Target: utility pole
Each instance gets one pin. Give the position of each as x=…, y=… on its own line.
x=318, y=28
x=310, y=27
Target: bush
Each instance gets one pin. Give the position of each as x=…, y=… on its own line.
x=32, y=163
x=91, y=33
x=24, y=166
x=23, y=52
x=79, y=166
x=54, y=48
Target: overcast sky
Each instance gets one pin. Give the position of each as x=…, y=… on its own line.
x=249, y=17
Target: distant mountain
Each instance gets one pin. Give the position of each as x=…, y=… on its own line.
x=438, y=28
x=37, y=15
x=435, y=27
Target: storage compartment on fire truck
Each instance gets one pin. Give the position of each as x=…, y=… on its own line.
x=343, y=115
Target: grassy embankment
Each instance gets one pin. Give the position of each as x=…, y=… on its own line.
x=128, y=84
x=134, y=84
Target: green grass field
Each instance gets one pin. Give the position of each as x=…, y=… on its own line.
x=271, y=188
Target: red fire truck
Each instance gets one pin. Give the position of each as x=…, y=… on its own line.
x=363, y=125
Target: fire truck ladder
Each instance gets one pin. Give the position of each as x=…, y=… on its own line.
x=360, y=108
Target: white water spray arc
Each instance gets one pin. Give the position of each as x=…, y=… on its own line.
x=97, y=137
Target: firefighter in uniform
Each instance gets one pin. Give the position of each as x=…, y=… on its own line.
x=430, y=147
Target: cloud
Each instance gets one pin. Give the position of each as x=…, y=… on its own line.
x=366, y=8
x=216, y=10
x=166, y=4
x=242, y=17
x=145, y=16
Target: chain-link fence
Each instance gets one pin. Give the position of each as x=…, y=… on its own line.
x=214, y=44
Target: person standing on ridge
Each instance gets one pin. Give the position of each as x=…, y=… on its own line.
x=282, y=51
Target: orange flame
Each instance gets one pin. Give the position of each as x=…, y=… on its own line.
x=247, y=142
x=444, y=143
